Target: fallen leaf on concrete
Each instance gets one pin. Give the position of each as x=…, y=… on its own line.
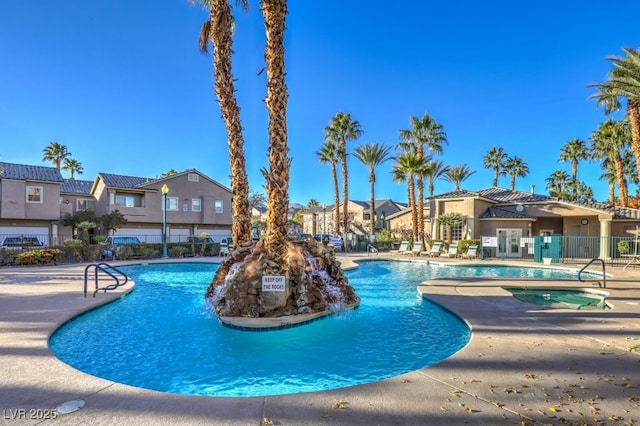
x=340, y=405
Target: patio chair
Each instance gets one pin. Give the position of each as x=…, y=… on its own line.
x=435, y=250
x=472, y=253
x=452, y=252
x=402, y=249
x=416, y=249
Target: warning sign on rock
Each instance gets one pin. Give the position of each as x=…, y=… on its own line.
x=273, y=283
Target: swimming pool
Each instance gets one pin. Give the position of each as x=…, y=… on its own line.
x=164, y=337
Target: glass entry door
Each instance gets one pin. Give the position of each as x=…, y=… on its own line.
x=509, y=242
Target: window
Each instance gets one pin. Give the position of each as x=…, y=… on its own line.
x=456, y=232
x=125, y=200
x=85, y=204
x=218, y=206
x=34, y=194
x=172, y=203
x=196, y=205
x=192, y=177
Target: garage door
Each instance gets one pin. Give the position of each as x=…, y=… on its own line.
x=40, y=232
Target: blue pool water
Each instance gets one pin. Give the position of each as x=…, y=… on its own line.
x=164, y=337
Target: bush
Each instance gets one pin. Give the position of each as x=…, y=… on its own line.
x=624, y=246
x=463, y=245
x=178, y=251
x=46, y=256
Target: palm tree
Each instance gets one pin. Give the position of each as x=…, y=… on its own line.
x=494, y=159
x=424, y=131
x=574, y=151
x=449, y=220
x=372, y=155
x=329, y=154
x=623, y=82
x=557, y=183
x=56, y=153
x=516, y=167
x=72, y=166
x=609, y=175
x=458, y=174
x=219, y=30
x=435, y=170
x=313, y=203
x=277, y=177
x=611, y=140
x=340, y=130
x=407, y=166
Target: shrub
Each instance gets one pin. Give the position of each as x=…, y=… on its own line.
x=178, y=251
x=44, y=256
x=624, y=246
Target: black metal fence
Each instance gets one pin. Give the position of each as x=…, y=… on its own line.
x=615, y=251
x=38, y=249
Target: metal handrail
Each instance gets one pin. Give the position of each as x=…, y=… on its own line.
x=372, y=249
x=604, y=271
x=103, y=267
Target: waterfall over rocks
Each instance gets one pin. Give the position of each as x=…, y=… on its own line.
x=313, y=283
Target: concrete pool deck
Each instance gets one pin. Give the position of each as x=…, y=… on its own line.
x=525, y=364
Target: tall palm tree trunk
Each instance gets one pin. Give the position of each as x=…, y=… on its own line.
x=336, y=200
x=372, y=208
x=633, y=107
x=275, y=12
x=414, y=209
x=345, y=190
x=221, y=38
x=622, y=182
x=420, y=208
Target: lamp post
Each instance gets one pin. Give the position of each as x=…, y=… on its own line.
x=165, y=191
x=324, y=220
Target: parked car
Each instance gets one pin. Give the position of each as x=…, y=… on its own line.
x=300, y=237
x=323, y=238
x=113, y=245
x=336, y=242
x=199, y=240
x=20, y=243
x=226, y=245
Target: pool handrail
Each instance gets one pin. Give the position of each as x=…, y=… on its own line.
x=604, y=272
x=103, y=267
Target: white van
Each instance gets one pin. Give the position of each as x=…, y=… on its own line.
x=226, y=245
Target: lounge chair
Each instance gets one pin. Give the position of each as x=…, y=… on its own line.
x=435, y=250
x=404, y=246
x=416, y=249
x=452, y=252
x=472, y=253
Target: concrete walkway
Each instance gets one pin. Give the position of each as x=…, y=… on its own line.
x=524, y=365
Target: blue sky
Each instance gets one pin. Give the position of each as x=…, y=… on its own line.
x=123, y=85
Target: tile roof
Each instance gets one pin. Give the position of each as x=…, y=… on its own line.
x=124, y=182
x=28, y=172
x=500, y=213
x=74, y=186
x=506, y=196
x=499, y=195
x=616, y=211
x=503, y=195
